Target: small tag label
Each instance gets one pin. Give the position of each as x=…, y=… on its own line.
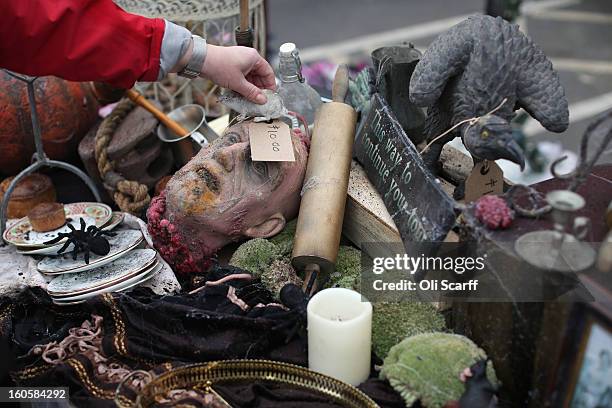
x=486, y=178
x=271, y=141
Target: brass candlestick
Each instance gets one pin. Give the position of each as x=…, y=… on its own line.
x=560, y=249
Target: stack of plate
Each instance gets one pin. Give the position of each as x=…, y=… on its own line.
x=30, y=242
x=120, y=245
x=132, y=269
x=74, y=280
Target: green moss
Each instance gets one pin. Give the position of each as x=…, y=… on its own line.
x=255, y=256
x=278, y=275
x=426, y=367
x=284, y=239
x=392, y=322
x=348, y=269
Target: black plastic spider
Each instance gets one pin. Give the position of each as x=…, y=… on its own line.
x=86, y=239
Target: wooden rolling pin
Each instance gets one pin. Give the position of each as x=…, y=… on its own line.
x=319, y=225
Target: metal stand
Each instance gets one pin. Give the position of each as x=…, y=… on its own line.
x=561, y=249
x=39, y=159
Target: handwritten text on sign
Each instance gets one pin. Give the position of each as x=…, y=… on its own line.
x=420, y=208
x=271, y=141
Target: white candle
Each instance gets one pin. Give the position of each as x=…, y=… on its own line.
x=340, y=335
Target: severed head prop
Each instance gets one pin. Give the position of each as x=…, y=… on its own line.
x=223, y=196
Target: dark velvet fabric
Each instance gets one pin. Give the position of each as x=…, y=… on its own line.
x=141, y=330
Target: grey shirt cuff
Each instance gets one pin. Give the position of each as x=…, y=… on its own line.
x=174, y=44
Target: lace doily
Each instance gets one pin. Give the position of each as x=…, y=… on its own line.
x=17, y=272
x=185, y=10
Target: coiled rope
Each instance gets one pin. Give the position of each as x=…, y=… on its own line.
x=130, y=196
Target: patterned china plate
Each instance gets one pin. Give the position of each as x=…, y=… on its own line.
x=143, y=278
x=22, y=234
x=121, y=286
x=116, y=219
x=121, y=243
x=133, y=263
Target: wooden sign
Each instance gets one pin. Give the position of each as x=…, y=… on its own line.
x=419, y=207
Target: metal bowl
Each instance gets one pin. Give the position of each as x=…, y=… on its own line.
x=193, y=119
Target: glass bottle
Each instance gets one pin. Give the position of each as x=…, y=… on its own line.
x=297, y=95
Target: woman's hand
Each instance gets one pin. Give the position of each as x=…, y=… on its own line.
x=240, y=69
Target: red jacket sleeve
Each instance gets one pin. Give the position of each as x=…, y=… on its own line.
x=79, y=40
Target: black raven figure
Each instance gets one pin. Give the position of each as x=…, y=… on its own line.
x=468, y=71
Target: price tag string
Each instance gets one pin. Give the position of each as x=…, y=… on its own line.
x=290, y=114
x=471, y=121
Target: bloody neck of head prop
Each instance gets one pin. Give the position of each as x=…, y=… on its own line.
x=169, y=242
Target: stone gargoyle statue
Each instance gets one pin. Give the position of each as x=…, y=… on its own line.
x=481, y=64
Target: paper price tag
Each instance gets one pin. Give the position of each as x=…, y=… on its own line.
x=271, y=141
x=486, y=178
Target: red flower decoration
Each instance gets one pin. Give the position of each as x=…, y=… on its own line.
x=493, y=212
